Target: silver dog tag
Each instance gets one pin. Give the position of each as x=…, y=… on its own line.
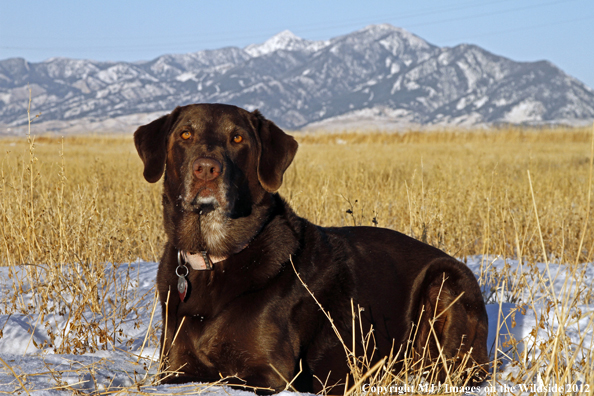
x=182, y=287
x=182, y=282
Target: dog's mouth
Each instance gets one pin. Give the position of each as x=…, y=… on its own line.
x=204, y=199
x=226, y=195
x=204, y=206
x=205, y=194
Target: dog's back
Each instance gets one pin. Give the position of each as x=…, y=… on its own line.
x=399, y=285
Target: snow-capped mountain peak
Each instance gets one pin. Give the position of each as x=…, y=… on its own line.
x=284, y=40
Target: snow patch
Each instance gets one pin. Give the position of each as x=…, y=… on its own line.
x=528, y=110
x=21, y=344
x=480, y=102
x=186, y=76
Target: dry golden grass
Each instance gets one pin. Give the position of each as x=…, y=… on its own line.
x=467, y=193
x=68, y=206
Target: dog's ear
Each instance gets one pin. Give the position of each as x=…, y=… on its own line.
x=151, y=144
x=277, y=150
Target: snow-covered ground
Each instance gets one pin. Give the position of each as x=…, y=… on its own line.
x=30, y=365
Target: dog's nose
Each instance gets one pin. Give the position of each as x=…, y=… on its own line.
x=207, y=168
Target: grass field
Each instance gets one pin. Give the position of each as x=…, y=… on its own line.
x=68, y=206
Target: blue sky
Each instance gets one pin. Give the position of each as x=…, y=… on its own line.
x=561, y=31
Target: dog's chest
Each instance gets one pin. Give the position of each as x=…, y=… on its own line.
x=227, y=331
x=206, y=296
x=233, y=292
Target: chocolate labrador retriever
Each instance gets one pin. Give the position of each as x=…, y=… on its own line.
x=232, y=278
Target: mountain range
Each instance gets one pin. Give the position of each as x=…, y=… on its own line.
x=378, y=77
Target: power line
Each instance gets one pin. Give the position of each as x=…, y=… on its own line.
x=302, y=27
x=522, y=28
x=488, y=14
x=171, y=47
x=400, y=18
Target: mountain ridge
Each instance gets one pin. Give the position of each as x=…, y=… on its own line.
x=380, y=69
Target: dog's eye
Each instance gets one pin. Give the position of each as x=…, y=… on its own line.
x=237, y=139
x=186, y=135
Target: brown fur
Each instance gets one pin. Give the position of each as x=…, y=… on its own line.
x=251, y=317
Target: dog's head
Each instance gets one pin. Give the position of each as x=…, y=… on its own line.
x=220, y=162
